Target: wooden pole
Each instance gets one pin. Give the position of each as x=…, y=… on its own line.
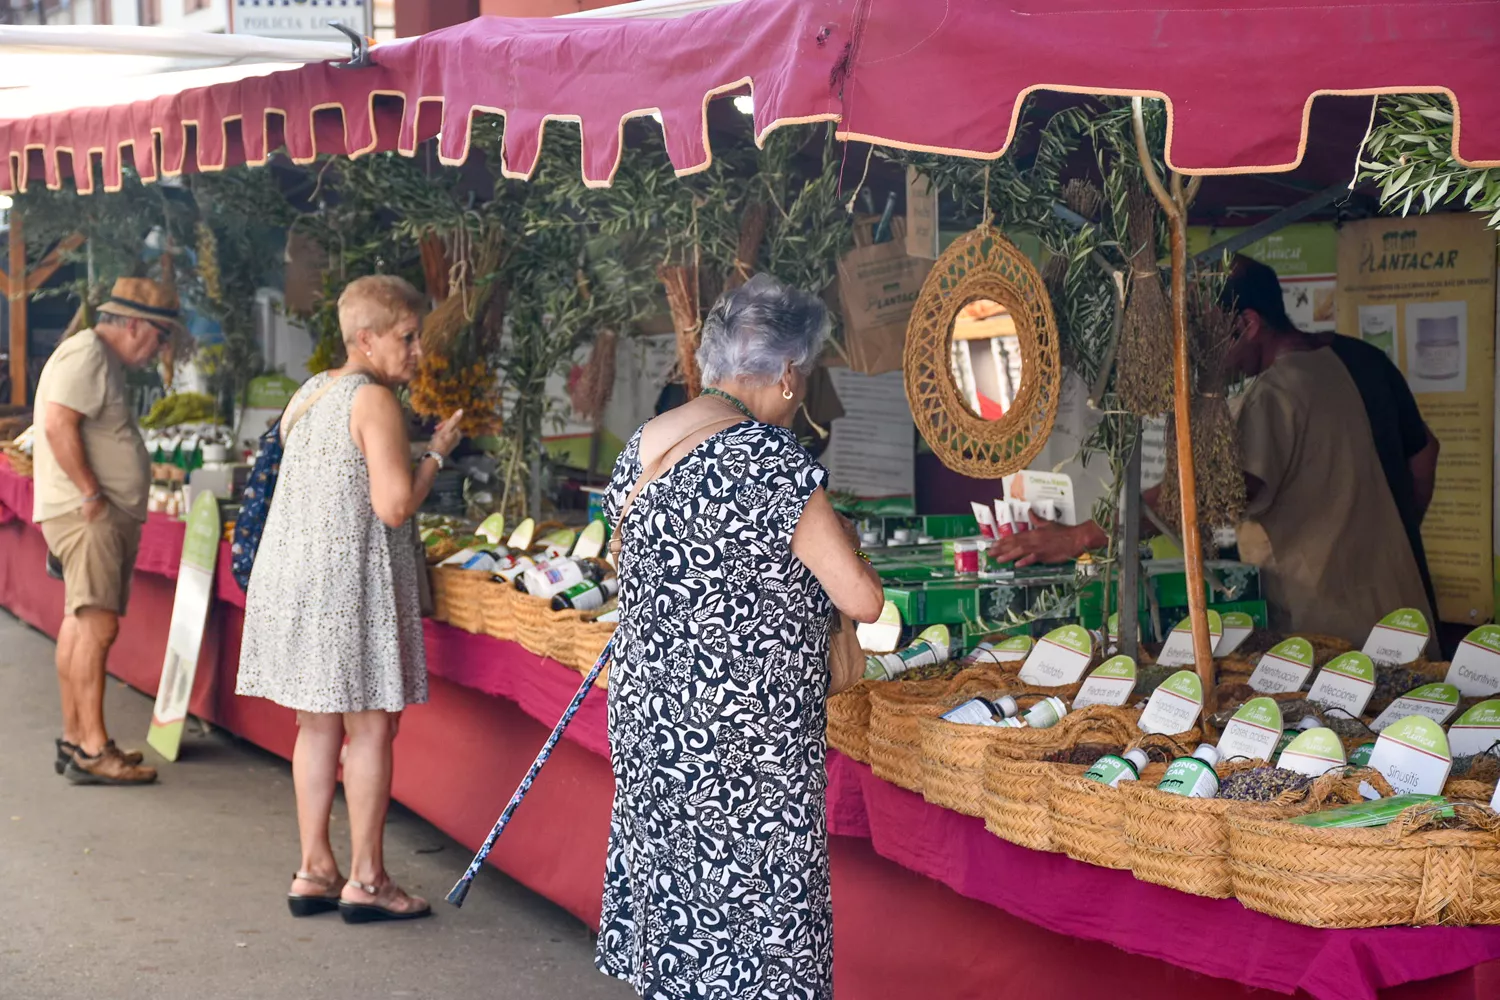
x=1174, y=203
x=1130, y=555
x=18, y=296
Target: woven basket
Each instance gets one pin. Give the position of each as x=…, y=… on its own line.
x=1183, y=843
x=586, y=641
x=447, y=582
x=898, y=707
x=1468, y=790
x=1428, y=671
x=1015, y=799
x=954, y=756
x=1406, y=873
x=466, y=590
x=1088, y=817
x=543, y=631
x=496, y=604
x=849, y=721
x=20, y=462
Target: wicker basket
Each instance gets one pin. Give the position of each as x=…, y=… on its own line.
x=898, y=707
x=543, y=631
x=1183, y=843
x=1015, y=799
x=496, y=603
x=1406, y=873
x=586, y=640
x=1469, y=790
x=447, y=582
x=954, y=756
x=466, y=590
x=20, y=462
x=849, y=721
x=1428, y=671
x=1088, y=817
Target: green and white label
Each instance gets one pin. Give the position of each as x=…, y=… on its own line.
x=1060, y=658
x=1178, y=651
x=1253, y=731
x=520, y=539
x=881, y=635
x=1175, y=705
x=974, y=712
x=1012, y=650
x=1413, y=755
x=1346, y=682
x=1284, y=667
x=195, y=586
x=1112, y=627
x=1437, y=702
x=492, y=529
x=1475, y=670
x=929, y=648
x=1111, y=770
x=1399, y=637
x=1313, y=752
x=1476, y=730
x=1191, y=777
x=1237, y=628
x=590, y=541
x=1109, y=684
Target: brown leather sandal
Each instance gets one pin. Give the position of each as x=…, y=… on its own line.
x=310, y=905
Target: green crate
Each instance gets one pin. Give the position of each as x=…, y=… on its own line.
x=938, y=604
x=950, y=526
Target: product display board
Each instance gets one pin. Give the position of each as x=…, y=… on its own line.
x=1423, y=290
x=1305, y=256
x=872, y=451
x=195, y=584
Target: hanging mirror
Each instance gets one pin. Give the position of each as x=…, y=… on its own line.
x=983, y=374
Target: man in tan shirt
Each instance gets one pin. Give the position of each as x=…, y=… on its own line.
x=92, y=477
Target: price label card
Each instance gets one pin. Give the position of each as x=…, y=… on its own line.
x=1237, y=628
x=1399, y=637
x=1414, y=757
x=1109, y=684
x=1284, y=667
x=1313, y=753
x=1476, y=664
x=1476, y=730
x=1253, y=731
x=1174, y=707
x=1178, y=651
x=1346, y=682
x=1437, y=702
x=1060, y=658
x=884, y=633
x=1012, y=650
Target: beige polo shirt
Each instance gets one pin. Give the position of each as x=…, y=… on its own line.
x=1333, y=553
x=83, y=374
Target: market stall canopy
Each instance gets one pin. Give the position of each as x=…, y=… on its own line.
x=1239, y=77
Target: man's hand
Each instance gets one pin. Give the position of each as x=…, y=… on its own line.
x=1048, y=542
x=94, y=509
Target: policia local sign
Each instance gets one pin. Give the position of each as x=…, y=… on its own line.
x=307, y=19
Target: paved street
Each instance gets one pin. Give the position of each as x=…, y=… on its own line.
x=177, y=890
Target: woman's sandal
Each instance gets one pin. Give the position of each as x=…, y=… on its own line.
x=308, y=906
x=369, y=913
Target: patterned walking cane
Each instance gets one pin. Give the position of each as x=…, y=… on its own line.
x=461, y=889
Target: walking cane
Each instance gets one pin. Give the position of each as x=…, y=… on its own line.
x=461, y=889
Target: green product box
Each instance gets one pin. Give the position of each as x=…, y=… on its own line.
x=950, y=526
x=938, y=604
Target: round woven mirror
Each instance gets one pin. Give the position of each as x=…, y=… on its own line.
x=983, y=374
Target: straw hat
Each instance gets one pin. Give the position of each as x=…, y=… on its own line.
x=142, y=298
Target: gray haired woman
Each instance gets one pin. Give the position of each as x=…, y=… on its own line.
x=732, y=563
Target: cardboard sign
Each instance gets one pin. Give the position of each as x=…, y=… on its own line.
x=1346, y=682
x=1475, y=670
x=1476, y=730
x=883, y=634
x=1175, y=705
x=1284, y=667
x=1437, y=702
x=1012, y=650
x=195, y=586
x=1109, y=684
x=1253, y=732
x=921, y=215
x=1237, y=628
x=878, y=286
x=1060, y=658
x=1178, y=651
x=1313, y=753
x=1398, y=638
x=1413, y=755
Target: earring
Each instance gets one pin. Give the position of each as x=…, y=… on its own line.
x=369, y=354
x=786, y=394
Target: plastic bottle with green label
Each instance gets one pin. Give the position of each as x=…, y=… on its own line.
x=1043, y=715
x=978, y=712
x=931, y=647
x=1111, y=769
x=1193, y=777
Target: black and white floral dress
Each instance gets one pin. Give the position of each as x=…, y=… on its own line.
x=717, y=874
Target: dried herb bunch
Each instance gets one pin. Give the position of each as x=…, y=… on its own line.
x=1216, y=458
x=1143, y=364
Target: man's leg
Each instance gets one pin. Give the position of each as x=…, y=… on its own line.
x=67, y=638
x=95, y=634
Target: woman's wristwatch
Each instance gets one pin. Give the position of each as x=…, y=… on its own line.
x=436, y=457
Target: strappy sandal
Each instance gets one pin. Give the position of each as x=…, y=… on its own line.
x=311, y=905
x=369, y=913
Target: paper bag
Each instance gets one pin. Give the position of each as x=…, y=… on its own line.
x=878, y=285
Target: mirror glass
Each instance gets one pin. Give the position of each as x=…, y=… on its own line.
x=986, y=359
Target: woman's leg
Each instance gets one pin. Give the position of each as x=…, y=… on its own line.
x=315, y=767
x=367, y=789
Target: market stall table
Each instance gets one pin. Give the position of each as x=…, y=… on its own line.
x=929, y=903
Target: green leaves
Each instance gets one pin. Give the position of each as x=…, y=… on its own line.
x=1410, y=156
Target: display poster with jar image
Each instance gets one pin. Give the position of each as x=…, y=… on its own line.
x=1305, y=257
x=1423, y=290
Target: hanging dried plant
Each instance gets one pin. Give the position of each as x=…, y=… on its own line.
x=1055, y=277
x=1144, y=360
x=681, y=284
x=595, y=384
x=752, y=234
x=469, y=286
x=1083, y=197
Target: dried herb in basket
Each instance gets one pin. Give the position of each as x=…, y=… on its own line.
x=1143, y=364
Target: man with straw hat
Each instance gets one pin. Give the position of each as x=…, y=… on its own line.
x=92, y=476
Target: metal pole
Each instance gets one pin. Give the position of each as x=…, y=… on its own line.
x=18, y=296
x=1130, y=555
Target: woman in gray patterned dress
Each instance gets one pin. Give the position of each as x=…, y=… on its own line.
x=333, y=626
x=732, y=563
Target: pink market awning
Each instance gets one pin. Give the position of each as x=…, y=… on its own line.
x=950, y=76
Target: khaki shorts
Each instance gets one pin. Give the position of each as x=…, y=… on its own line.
x=97, y=558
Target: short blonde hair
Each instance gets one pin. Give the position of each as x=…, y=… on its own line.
x=377, y=303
